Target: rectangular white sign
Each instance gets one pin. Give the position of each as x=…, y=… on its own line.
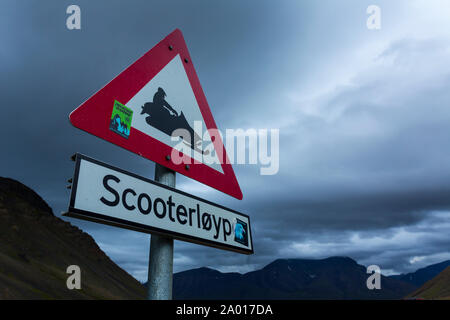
x=106, y=194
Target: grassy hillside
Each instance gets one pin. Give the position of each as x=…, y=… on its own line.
x=36, y=248
x=437, y=288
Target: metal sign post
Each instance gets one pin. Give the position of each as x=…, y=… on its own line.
x=160, y=266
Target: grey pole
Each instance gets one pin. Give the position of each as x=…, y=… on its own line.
x=160, y=267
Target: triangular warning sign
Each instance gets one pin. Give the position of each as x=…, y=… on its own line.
x=157, y=109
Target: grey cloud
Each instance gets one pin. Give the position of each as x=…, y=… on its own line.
x=370, y=160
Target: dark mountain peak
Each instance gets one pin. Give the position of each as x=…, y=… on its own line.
x=203, y=271
x=290, y=264
x=340, y=260
x=276, y=264
x=17, y=196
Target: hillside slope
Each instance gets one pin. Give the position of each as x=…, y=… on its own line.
x=437, y=288
x=36, y=248
x=331, y=278
x=422, y=275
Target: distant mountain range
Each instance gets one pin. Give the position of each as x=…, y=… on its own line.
x=331, y=278
x=436, y=288
x=36, y=248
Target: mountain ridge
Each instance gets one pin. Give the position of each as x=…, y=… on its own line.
x=329, y=278
x=36, y=247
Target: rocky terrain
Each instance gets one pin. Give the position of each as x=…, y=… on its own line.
x=36, y=247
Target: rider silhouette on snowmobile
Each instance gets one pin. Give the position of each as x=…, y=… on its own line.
x=165, y=118
x=160, y=101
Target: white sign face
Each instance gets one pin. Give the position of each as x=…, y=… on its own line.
x=105, y=194
x=177, y=92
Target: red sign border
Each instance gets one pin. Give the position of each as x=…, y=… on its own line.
x=93, y=116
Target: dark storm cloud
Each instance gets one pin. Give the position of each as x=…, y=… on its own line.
x=363, y=137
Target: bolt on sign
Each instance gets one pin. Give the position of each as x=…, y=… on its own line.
x=106, y=194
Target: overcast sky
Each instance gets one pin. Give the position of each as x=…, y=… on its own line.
x=363, y=117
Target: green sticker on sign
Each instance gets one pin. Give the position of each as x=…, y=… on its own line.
x=121, y=119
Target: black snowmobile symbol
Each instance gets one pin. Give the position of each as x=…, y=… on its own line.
x=163, y=117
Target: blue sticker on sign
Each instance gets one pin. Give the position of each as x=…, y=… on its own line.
x=240, y=232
